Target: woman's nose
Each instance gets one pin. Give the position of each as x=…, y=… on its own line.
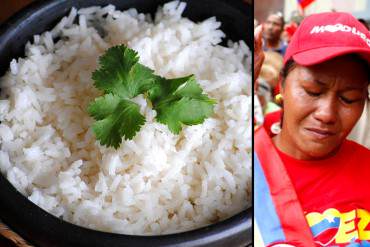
x=326, y=111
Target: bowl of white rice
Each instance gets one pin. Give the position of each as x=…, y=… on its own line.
x=61, y=187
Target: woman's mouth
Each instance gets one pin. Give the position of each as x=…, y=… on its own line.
x=320, y=133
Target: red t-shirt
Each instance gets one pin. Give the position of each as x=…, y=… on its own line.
x=335, y=195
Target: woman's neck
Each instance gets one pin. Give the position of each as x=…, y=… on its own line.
x=273, y=44
x=281, y=142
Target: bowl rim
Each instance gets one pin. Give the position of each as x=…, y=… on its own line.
x=240, y=223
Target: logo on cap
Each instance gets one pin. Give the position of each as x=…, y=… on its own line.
x=339, y=27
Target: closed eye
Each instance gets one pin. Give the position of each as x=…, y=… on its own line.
x=312, y=93
x=348, y=101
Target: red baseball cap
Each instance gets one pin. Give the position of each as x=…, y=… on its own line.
x=321, y=37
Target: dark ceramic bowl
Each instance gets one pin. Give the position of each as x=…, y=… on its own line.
x=41, y=228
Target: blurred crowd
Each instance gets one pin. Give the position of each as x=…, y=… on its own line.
x=276, y=36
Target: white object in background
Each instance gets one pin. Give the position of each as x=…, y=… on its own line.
x=258, y=113
x=361, y=132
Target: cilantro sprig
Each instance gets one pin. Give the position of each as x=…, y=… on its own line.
x=121, y=77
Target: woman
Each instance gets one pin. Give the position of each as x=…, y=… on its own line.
x=311, y=183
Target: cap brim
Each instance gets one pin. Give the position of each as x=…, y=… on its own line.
x=319, y=55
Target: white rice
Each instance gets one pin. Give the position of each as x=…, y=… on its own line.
x=156, y=183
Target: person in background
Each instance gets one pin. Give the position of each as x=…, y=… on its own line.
x=290, y=27
x=258, y=61
x=270, y=75
x=264, y=96
x=288, y=32
x=265, y=86
x=311, y=185
x=272, y=30
x=267, y=80
x=273, y=64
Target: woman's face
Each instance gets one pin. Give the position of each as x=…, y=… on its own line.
x=322, y=103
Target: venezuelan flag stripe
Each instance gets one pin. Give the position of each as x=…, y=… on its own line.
x=325, y=225
x=264, y=209
x=305, y=3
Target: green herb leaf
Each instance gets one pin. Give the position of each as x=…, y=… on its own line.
x=117, y=118
x=177, y=101
x=121, y=74
x=184, y=111
x=180, y=101
x=103, y=106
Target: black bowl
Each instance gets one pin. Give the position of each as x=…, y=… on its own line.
x=43, y=229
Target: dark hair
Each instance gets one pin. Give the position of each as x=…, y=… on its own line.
x=286, y=69
x=283, y=75
x=364, y=22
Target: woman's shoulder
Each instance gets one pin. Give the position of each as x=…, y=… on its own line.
x=356, y=146
x=356, y=149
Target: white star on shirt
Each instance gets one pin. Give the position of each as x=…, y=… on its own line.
x=330, y=218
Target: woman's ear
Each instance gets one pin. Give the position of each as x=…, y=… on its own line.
x=279, y=92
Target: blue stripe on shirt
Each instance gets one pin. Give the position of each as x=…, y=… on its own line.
x=264, y=210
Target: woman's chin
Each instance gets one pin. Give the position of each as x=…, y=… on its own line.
x=316, y=146
x=315, y=150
